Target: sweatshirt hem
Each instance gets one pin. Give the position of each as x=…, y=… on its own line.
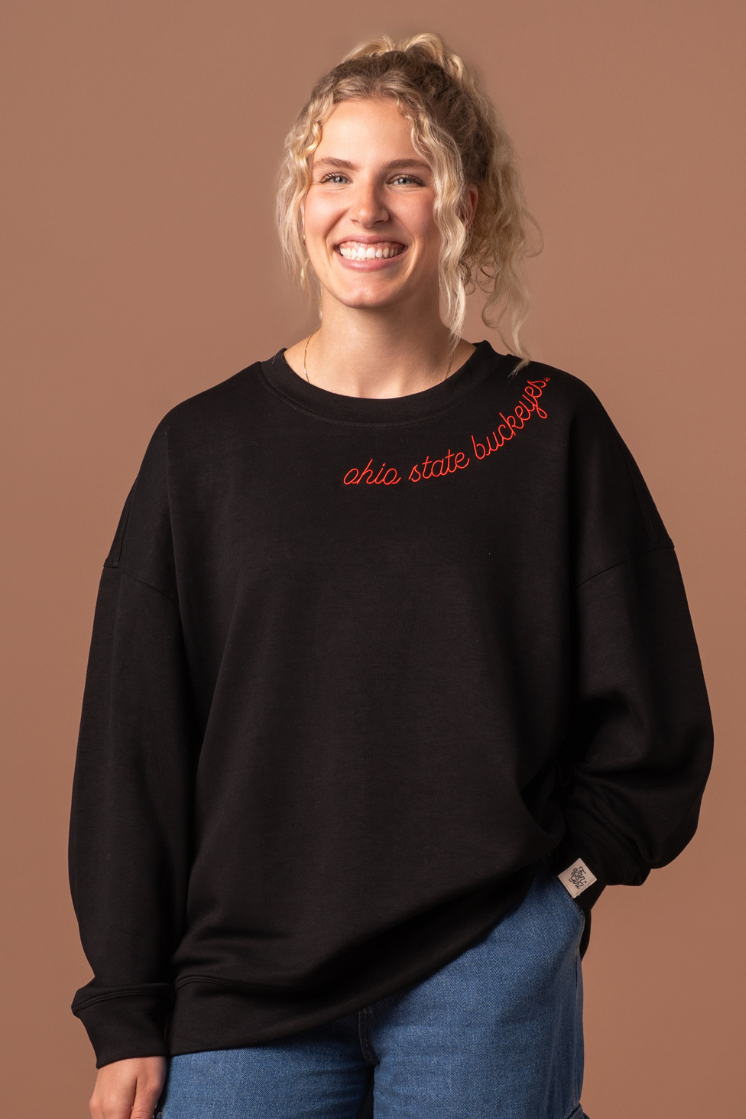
x=214, y=1013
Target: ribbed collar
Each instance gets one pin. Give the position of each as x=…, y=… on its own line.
x=285, y=382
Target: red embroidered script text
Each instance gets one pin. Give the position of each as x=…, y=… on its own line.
x=458, y=460
x=354, y=477
x=444, y=466
x=515, y=421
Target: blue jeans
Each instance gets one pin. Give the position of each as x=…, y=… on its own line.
x=495, y=1033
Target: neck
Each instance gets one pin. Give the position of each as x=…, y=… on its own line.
x=378, y=353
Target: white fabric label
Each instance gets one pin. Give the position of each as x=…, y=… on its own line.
x=577, y=878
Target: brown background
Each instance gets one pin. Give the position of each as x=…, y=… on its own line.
x=139, y=147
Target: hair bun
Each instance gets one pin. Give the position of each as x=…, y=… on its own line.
x=427, y=45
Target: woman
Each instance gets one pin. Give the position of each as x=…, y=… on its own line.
x=392, y=670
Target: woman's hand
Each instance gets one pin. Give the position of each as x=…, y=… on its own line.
x=128, y=1089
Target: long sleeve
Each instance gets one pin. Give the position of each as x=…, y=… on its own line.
x=129, y=836
x=640, y=743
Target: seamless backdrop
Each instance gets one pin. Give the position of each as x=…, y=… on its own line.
x=140, y=143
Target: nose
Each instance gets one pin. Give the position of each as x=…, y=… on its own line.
x=366, y=205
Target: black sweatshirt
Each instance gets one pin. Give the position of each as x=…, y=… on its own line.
x=357, y=666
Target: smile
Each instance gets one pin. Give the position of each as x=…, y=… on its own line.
x=357, y=250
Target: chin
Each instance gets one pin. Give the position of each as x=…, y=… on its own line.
x=367, y=299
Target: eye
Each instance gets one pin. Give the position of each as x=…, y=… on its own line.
x=333, y=176
x=406, y=179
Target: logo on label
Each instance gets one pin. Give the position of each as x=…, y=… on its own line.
x=577, y=878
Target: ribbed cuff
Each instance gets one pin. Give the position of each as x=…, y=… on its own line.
x=610, y=862
x=126, y=1025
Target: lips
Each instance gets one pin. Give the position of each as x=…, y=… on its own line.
x=362, y=250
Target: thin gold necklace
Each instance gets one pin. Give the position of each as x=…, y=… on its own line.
x=310, y=336
x=318, y=328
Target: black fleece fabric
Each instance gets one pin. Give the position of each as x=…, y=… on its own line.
x=357, y=666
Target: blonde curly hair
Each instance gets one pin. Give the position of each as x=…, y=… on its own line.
x=455, y=128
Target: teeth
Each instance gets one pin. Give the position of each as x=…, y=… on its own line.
x=368, y=252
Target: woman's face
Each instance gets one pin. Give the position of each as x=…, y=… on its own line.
x=368, y=213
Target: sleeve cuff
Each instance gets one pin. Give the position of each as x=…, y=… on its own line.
x=126, y=1025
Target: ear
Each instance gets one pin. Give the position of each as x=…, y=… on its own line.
x=471, y=198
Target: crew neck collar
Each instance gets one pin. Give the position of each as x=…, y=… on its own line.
x=285, y=382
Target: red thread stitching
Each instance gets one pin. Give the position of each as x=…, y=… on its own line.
x=354, y=476
x=515, y=422
x=453, y=461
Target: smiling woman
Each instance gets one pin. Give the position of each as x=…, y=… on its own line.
x=399, y=152
x=373, y=712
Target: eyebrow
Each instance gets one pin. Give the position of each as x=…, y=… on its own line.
x=394, y=165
